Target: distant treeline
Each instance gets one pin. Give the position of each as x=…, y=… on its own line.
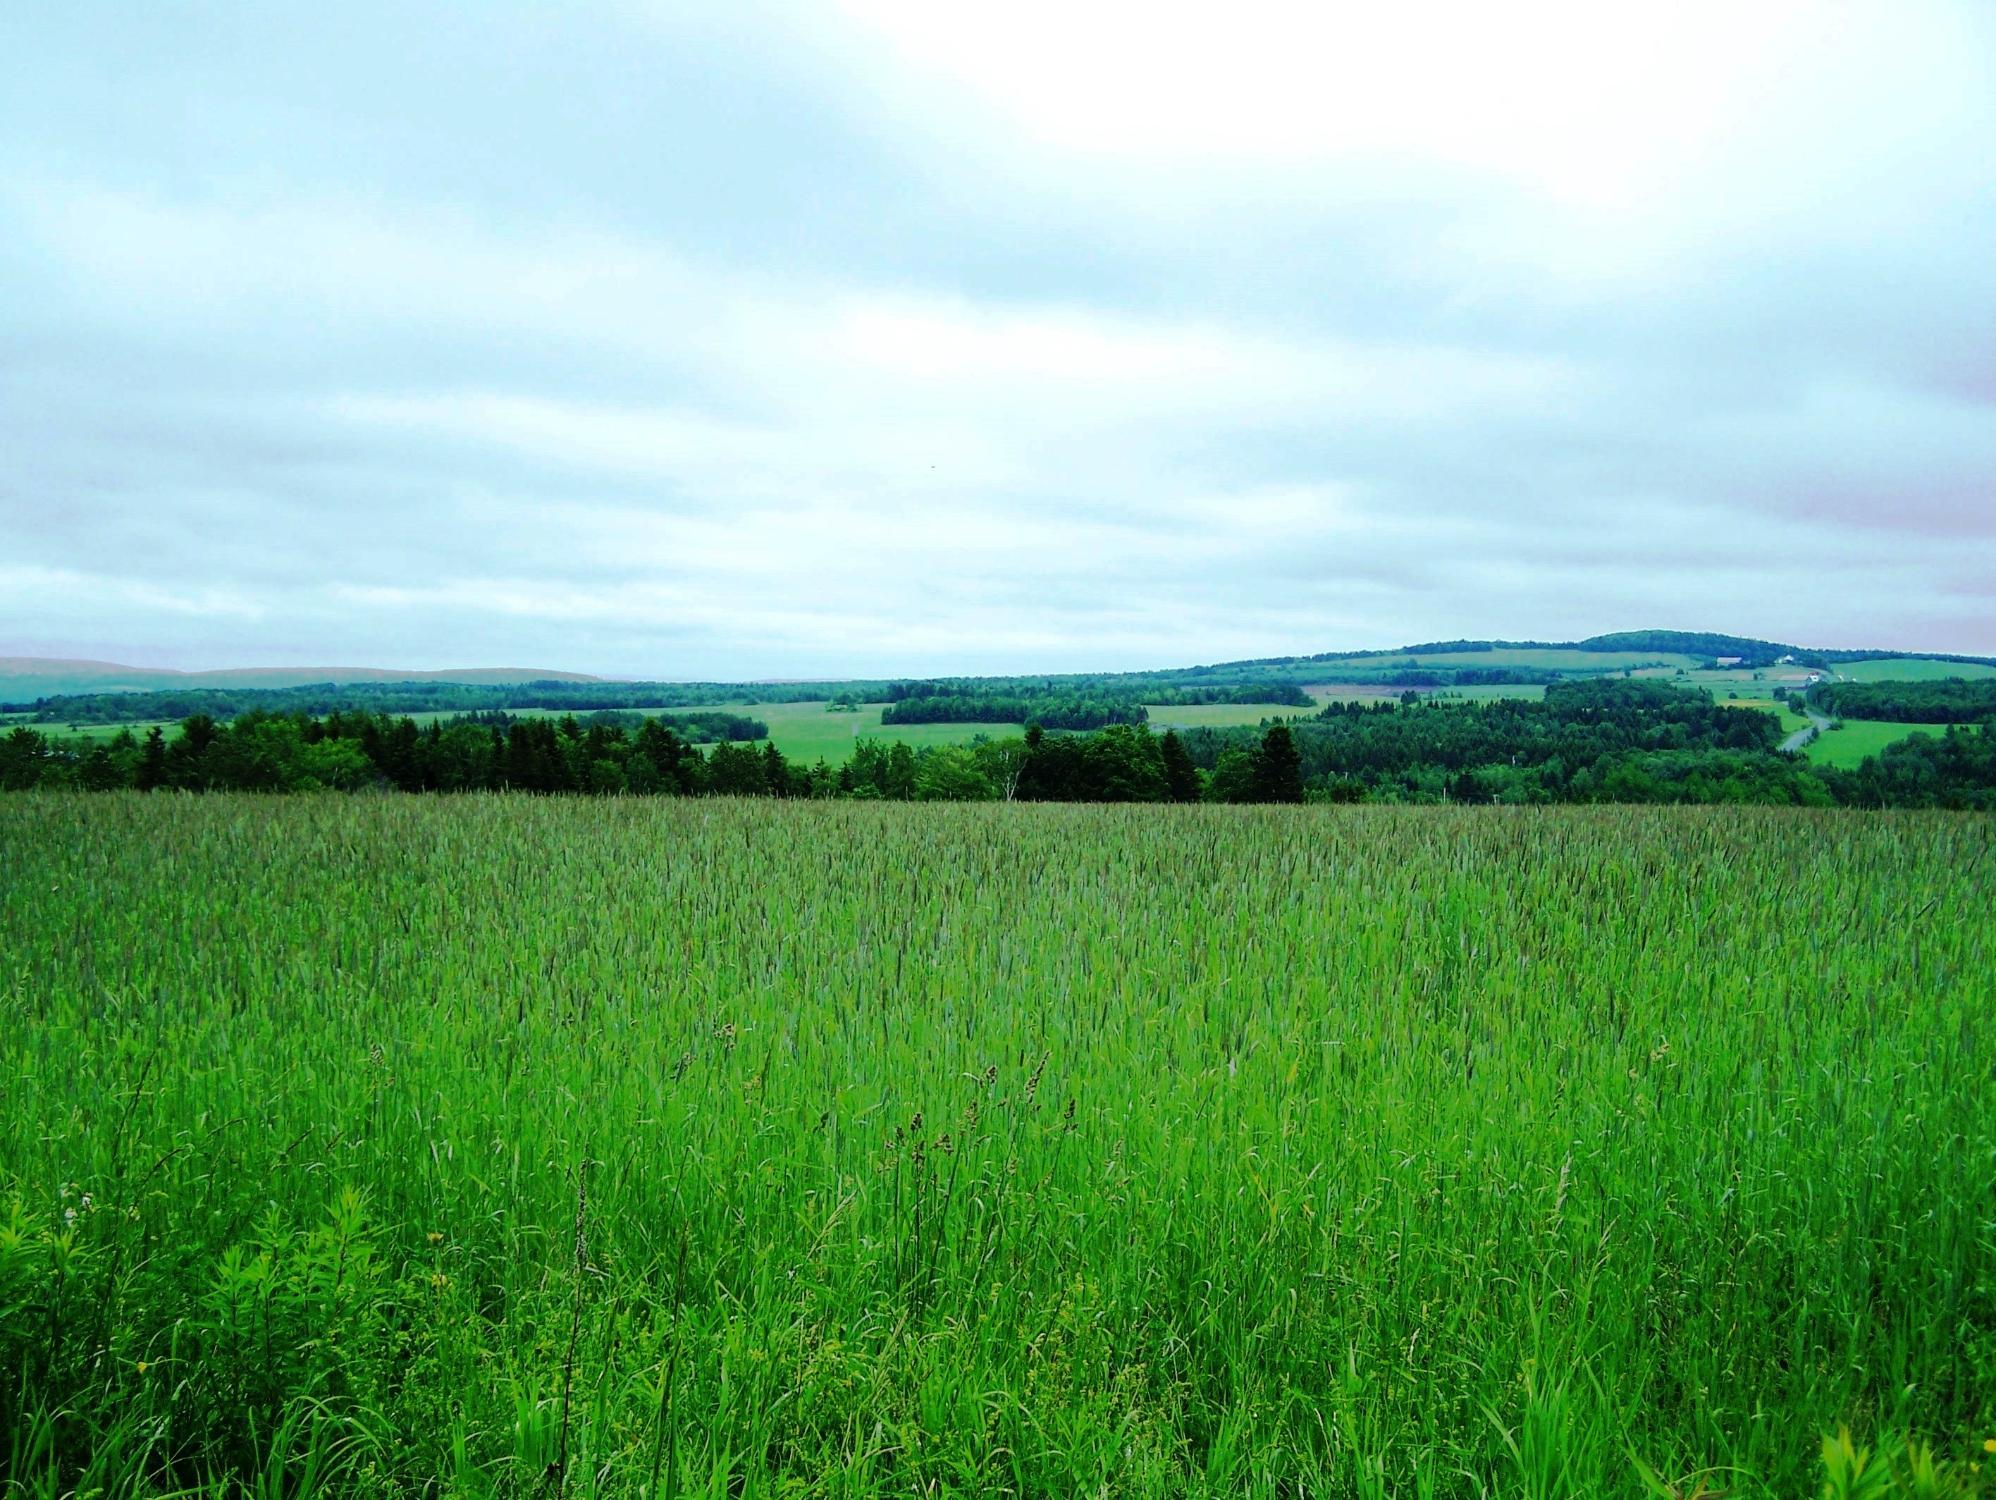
x=409, y=698
x=262, y=752
x=1951, y=700
x=1050, y=713
x=1591, y=741
x=991, y=700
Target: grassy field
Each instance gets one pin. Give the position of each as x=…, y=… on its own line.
x=1909, y=669
x=1845, y=748
x=802, y=731
x=495, y=1145
x=1790, y=720
x=805, y=732
x=93, y=733
x=1859, y=738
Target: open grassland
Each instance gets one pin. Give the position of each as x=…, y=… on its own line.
x=1529, y=692
x=806, y=732
x=1910, y=669
x=1859, y=739
x=1846, y=748
x=94, y=733
x=501, y=1145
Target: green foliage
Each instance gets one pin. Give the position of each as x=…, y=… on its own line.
x=1181, y=777
x=1951, y=700
x=516, y=1145
x=1900, y=1468
x=1276, y=769
x=928, y=703
x=1587, y=741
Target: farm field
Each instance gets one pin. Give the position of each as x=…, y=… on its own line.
x=1849, y=746
x=1846, y=748
x=805, y=732
x=1910, y=669
x=1488, y=692
x=512, y=1145
x=91, y=733
x=1790, y=720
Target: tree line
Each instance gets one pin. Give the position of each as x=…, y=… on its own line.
x=262, y=752
x=1949, y=700
x=1049, y=712
x=1628, y=741
x=409, y=698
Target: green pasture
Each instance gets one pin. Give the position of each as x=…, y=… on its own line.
x=520, y=1146
x=1790, y=720
x=1858, y=739
x=1909, y=669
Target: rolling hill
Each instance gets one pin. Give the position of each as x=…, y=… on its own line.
x=25, y=678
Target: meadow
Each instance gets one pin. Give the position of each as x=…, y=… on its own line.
x=1790, y=720
x=806, y=732
x=1910, y=669
x=1857, y=739
x=500, y=1145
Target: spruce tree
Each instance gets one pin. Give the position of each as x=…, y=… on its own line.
x=1278, y=767
x=1180, y=775
x=152, y=761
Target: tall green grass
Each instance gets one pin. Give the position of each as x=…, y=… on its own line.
x=496, y=1145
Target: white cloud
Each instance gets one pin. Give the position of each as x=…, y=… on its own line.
x=1015, y=339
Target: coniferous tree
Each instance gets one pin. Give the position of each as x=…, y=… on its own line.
x=1278, y=767
x=1181, y=776
x=775, y=771
x=152, y=761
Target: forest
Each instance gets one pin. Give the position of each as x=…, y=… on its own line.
x=1948, y=700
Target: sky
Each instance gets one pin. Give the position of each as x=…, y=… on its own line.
x=744, y=340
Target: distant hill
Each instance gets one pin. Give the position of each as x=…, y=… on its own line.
x=87, y=692
x=25, y=678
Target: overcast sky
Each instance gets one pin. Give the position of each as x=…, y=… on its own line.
x=738, y=340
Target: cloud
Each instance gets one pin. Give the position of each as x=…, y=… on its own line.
x=903, y=340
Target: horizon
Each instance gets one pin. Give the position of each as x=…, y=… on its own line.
x=1927, y=649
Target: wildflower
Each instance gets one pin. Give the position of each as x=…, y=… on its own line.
x=1989, y=1445
x=143, y=1367
x=439, y=1281
x=436, y=1237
